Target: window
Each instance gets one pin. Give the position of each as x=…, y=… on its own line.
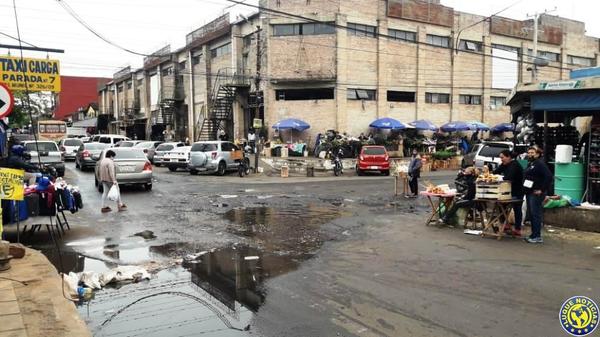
x=182, y=65
x=247, y=41
x=400, y=96
x=167, y=72
x=105, y=140
x=362, y=94
x=317, y=28
x=73, y=142
x=439, y=41
x=374, y=150
x=402, y=35
x=506, y=48
x=304, y=94
x=547, y=55
x=129, y=85
x=204, y=147
x=435, y=98
x=120, y=88
x=195, y=60
x=227, y=147
x=220, y=51
x=286, y=30
x=304, y=29
x=581, y=61
x=361, y=30
x=497, y=101
x=42, y=146
x=470, y=45
x=470, y=99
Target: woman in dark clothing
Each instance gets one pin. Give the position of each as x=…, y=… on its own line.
x=512, y=171
x=468, y=179
x=536, y=183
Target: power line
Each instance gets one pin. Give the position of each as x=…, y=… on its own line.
x=17, y=39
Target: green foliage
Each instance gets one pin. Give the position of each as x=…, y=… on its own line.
x=443, y=155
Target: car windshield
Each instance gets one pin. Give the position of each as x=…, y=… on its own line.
x=129, y=154
x=165, y=147
x=95, y=146
x=374, y=151
x=144, y=145
x=204, y=147
x=492, y=150
x=126, y=144
x=42, y=146
x=73, y=142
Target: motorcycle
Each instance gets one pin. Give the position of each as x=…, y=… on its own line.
x=243, y=165
x=336, y=160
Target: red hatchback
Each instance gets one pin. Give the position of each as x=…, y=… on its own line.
x=373, y=158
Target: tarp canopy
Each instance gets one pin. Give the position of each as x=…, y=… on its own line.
x=86, y=123
x=389, y=124
x=588, y=100
x=291, y=124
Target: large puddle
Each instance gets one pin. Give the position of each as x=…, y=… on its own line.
x=215, y=292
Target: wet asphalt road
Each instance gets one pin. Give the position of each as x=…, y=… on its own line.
x=320, y=257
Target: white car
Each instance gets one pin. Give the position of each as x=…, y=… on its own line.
x=486, y=153
x=69, y=146
x=162, y=149
x=179, y=157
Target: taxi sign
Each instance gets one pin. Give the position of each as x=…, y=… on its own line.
x=35, y=74
x=7, y=101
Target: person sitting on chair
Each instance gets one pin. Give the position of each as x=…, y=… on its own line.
x=467, y=183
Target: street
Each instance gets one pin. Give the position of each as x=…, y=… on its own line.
x=321, y=256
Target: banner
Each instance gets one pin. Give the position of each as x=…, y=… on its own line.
x=11, y=184
x=37, y=74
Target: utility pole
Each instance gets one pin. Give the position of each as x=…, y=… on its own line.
x=534, y=56
x=257, y=141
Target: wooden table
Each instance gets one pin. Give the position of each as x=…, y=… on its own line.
x=496, y=214
x=444, y=200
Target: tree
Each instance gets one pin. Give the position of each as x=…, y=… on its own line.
x=41, y=105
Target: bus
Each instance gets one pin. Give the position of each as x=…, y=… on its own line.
x=52, y=130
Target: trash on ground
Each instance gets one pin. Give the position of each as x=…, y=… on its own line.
x=251, y=258
x=96, y=281
x=473, y=232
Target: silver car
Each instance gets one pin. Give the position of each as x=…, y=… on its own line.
x=49, y=154
x=214, y=157
x=133, y=168
x=162, y=149
x=149, y=148
x=88, y=154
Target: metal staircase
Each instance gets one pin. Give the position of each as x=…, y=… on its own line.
x=220, y=114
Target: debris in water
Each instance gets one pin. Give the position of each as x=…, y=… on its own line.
x=251, y=258
x=228, y=196
x=552, y=231
x=346, y=233
x=597, y=247
x=147, y=235
x=193, y=257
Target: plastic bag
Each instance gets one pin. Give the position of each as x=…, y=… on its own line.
x=113, y=193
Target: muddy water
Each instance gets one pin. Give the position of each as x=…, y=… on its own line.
x=215, y=292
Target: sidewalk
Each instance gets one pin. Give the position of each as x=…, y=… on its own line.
x=37, y=309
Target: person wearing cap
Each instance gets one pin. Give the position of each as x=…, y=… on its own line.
x=536, y=182
x=108, y=179
x=16, y=160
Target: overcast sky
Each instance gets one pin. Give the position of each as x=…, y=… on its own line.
x=147, y=25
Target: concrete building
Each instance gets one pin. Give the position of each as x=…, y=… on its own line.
x=340, y=64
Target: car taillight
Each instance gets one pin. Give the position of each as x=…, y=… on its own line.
x=85, y=154
x=213, y=155
x=62, y=149
x=147, y=166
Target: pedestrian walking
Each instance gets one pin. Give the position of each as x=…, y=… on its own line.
x=108, y=179
x=536, y=183
x=414, y=173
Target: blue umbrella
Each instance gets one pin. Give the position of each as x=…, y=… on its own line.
x=388, y=123
x=424, y=124
x=457, y=126
x=291, y=124
x=504, y=127
x=479, y=126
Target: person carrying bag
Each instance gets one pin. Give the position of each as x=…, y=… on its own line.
x=110, y=186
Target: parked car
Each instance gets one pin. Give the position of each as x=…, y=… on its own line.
x=49, y=154
x=108, y=139
x=149, y=148
x=177, y=158
x=86, y=139
x=486, y=153
x=88, y=154
x=133, y=168
x=215, y=157
x=373, y=158
x=128, y=143
x=163, y=148
x=69, y=146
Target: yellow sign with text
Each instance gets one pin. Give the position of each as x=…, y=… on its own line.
x=11, y=184
x=35, y=74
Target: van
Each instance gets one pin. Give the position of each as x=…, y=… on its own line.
x=112, y=140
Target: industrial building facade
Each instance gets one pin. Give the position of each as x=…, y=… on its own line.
x=340, y=64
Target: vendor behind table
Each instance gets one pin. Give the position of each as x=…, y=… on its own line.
x=512, y=171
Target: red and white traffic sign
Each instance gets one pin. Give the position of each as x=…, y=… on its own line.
x=7, y=101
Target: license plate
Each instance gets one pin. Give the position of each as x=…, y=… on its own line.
x=127, y=169
x=374, y=167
